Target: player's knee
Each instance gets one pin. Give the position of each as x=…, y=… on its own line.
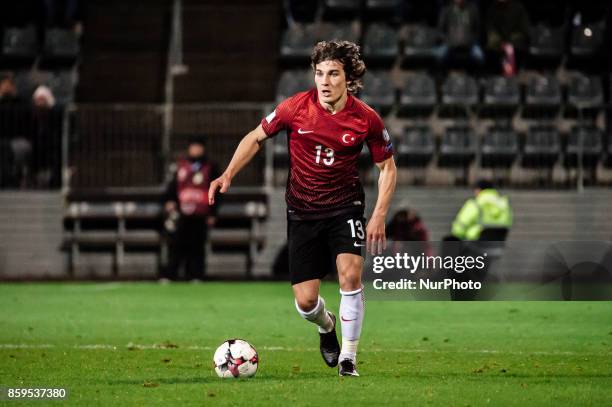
x=350, y=280
x=307, y=304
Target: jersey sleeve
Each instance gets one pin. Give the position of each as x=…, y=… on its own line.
x=279, y=119
x=378, y=140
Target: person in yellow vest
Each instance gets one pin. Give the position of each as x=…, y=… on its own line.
x=488, y=209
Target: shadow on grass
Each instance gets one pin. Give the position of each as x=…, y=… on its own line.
x=204, y=379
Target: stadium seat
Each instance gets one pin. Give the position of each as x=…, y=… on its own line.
x=458, y=147
x=542, y=97
x=380, y=45
x=586, y=93
x=501, y=97
x=61, y=48
x=499, y=147
x=416, y=146
x=541, y=148
x=589, y=139
x=546, y=46
x=297, y=42
x=19, y=47
x=122, y=221
x=459, y=94
x=334, y=10
x=378, y=91
x=292, y=82
x=418, y=96
x=340, y=31
x=586, y=47
x=420, y=47
x=587, y=39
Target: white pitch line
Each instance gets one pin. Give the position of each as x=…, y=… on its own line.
x=283, y=349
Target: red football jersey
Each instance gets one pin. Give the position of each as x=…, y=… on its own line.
x=323, y=152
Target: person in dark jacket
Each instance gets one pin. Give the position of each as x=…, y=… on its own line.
x=189, y=213
x=407, y=226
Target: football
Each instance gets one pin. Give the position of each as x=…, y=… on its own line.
x=236, y=358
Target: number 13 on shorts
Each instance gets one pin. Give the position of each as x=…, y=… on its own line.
x=356, y=228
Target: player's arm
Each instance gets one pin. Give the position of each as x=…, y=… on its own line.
x=246, y=150
x=376, y=240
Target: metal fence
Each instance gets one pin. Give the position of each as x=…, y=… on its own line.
x=126, y=145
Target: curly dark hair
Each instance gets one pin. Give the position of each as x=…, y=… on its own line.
x=348, y=54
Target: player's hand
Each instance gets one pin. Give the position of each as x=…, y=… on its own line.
x=376, y=240
x=222, y=183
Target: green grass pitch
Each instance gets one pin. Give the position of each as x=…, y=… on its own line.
x=151, y=344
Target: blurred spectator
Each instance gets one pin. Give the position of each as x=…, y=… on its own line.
x=8, y=90
x=46, y=146
x=406, y=225
x=189, y=214
x=43, y=98
x=488, y=209
x=507, y=32
x=459, y=23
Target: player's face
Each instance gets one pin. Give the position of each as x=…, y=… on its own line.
x=331, y=82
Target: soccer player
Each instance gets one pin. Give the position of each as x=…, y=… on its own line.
x=327, y=127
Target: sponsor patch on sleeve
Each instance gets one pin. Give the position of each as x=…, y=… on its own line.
x=271, y=117
x=386, y=136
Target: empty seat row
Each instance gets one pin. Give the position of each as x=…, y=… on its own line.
x=543, y=94
x=540, y=147
x=20, y=47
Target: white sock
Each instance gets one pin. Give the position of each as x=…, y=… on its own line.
x=318, y=315
x=352, y=309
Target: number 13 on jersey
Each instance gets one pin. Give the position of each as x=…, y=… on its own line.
x=329, y=153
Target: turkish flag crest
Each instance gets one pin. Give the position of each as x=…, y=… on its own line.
x=348, y=139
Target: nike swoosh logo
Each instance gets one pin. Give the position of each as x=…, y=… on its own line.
x=347, y=320
x=358, y=245
x=305, y=131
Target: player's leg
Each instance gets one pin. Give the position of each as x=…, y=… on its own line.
x=311, y=306
x=352, y=309
x=308, y=263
